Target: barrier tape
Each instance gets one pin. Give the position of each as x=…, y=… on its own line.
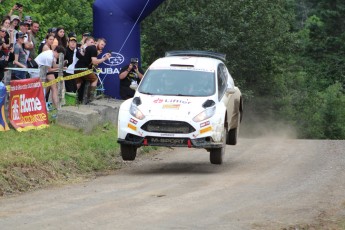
x=33, y=70
x=61, y=78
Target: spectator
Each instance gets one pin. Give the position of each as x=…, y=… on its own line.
x=87, y=61
x=28, y=45
x=4, y=39
x=48, y=58
x=7, y=35
x=28, y=20
x=35, y=26
x=130, y=75
x=60, y=38
x=71, y=57
x=19, y=56
x=50, y=31
x=49, y=40
x=84, y=37
x=14, y=26
x=3, y=61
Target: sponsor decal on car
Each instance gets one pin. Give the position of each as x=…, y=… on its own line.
x=205, y=130
x=204, y=124
x=173, y=106
x=132, y=127
x=172, y=101
x=133, y=121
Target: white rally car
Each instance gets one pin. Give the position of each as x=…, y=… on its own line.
x=185, y=99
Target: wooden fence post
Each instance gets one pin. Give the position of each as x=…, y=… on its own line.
x=61, y=84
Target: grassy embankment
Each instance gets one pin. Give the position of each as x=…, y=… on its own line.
x=33, y=159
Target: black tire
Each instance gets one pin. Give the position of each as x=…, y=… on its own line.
x=128, y=152
x=216, y=155
x=233, y=133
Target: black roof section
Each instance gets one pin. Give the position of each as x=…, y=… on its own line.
x=196, y=53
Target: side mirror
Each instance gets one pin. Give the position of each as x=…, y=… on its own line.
x=134, y=85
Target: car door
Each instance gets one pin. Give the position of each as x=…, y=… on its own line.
x=227, y=99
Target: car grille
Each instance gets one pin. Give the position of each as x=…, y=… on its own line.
x=158, y=126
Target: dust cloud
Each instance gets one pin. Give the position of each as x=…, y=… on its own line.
x=253, y=126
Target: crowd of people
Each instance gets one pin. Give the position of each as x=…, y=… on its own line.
x=20, y=49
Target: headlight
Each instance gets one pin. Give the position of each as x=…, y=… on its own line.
x=207, y=113
x=135, y=112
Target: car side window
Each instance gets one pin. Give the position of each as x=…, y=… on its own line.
x=221, y=81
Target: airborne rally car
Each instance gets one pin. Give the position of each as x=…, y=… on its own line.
x=185, y=99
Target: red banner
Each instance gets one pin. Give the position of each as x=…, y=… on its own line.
x=27, y=107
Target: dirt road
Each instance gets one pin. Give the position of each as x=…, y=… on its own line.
x=265, y=183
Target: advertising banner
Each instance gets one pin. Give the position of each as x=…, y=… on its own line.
x=118, y=21
x=27, y=107
x=3, y=123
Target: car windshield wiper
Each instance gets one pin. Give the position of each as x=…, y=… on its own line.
x=148, y=93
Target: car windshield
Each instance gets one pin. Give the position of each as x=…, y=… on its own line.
x=178, y=82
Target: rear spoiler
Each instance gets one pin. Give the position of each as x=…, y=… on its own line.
x=196, y=53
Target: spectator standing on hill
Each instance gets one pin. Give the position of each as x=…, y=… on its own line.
x=28, y=20
x=71, y=57
x=49, y=40
x=28, y=45
x=87, y=61
x=3, y=61
x=14, y=26
x=60, y=38
x=19, y=57
x=49, y=32
x=35, y=26
x=7, y=35
x=48, y=58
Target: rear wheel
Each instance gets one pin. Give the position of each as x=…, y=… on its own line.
x=233, y=133
x=128, y=152
x=216, y=155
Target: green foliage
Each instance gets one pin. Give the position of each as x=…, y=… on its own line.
x=73, y=15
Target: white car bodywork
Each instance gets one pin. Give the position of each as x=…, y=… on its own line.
x=192, y=113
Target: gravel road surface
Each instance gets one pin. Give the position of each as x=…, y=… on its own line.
x=265, y=183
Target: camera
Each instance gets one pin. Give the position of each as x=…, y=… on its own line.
x=19, y=5
x=134, y=60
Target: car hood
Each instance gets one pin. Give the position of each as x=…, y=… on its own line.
x=167, y=107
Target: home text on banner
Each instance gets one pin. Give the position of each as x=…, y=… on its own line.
x=27, y=107
x=3, y=123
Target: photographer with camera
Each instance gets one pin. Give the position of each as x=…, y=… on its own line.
x=130, y=76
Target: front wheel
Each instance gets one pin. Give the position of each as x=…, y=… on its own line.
x=128, y=152
x=216, y=155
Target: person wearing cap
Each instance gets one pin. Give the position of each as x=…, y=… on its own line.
x=130, y=74
x=48, y=58
x=28, y=45
x=19, y=56
x=71, y=57
x=28, y=19
x=84, y=37
x=14, y=26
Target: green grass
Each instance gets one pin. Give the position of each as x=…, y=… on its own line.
x=34, y=158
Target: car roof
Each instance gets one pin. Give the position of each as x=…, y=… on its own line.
x=183, y=62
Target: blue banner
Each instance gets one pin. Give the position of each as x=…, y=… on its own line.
x=118, y=21
x=3, y=123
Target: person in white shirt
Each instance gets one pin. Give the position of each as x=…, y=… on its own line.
x=48, y=58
